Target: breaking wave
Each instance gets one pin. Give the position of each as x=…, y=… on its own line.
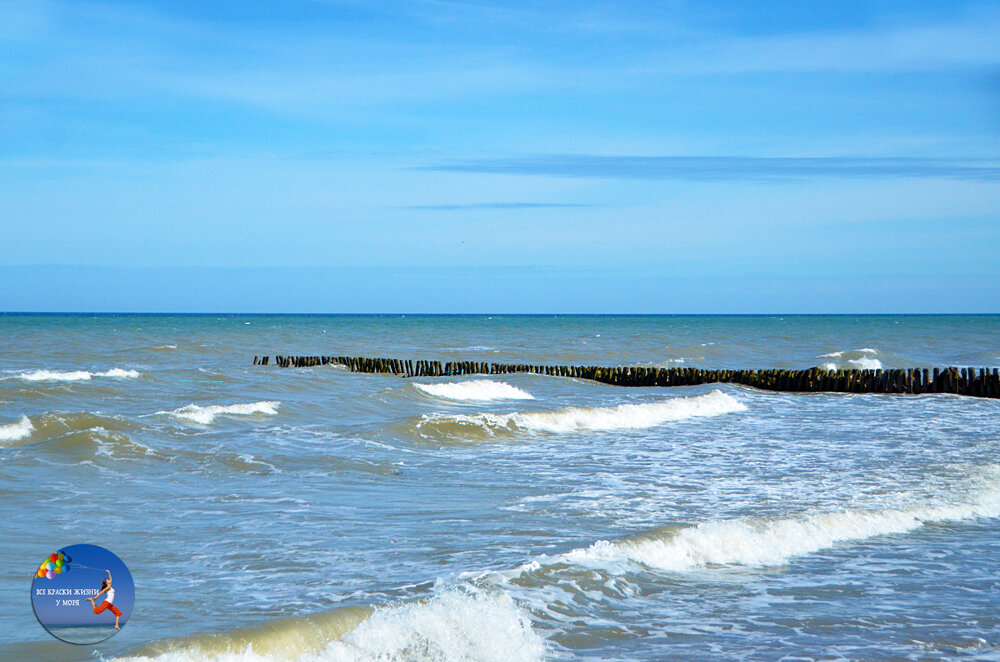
x=479, y=390
x=457, y=625
x=579, y=419
x=664, y=363
x=758, y=543
x=82, y=434
x=74, y=375
x=12, y=432
x=207, y=415
x=857, y=359
x=479, y=621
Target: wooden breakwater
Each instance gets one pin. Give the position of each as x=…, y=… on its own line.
x=982, y=382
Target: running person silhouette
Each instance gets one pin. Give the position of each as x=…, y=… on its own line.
x=108, y=601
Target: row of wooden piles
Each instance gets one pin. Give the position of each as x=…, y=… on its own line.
x=983, y=382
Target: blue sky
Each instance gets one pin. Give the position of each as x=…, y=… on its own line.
x=440, y=156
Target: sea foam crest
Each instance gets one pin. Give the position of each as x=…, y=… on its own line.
x=74, y=375
x=206, y=415
x=478, y=390
x=579, y=419
x=856, y=359
x=773, y=542
x=16, y=431
x=455, y=626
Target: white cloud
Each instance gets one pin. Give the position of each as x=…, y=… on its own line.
x=905, y=49
x=96, y=51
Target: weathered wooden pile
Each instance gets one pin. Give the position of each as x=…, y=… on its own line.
x=962, y=381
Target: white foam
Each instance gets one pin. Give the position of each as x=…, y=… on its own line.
x=863, y=350
x=576, y=419
x=665, y=363
x=855, y=359
x=206, y=415
x=773, y=542
x=16, y=431
x=74, y=375
x=455, y=626
x=118, y=373
x=51, y=376
x=476, y=390
x=865, y=363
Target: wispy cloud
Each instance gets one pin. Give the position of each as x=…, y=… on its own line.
x=497, y=205
x=717, y=168
x=908, y=48
x=433, y=51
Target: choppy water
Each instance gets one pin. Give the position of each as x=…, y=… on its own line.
x=315, y=514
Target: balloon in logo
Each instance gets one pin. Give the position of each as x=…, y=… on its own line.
x=54, y=564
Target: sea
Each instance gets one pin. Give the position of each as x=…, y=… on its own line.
x=315, y=514
x=82, y=634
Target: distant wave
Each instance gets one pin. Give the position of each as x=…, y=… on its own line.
x=857, y=364
x=12, y=432
x=759, y=543
x=207, y=415
x=73, y=375
x=857, y=359
x=665, y=363
x=576, y=419
x=477, y=390
x=74, y=432
x=457, y=625
x=863, y=350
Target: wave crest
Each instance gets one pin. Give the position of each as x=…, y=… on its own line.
x=74, y=375
x=855, y=359
x=207, y=415
x=282, y=638
x=81, y=434
x=757, y=543
x=478, y=390
x=12, y=432
x=458, y=625
x=580, y=419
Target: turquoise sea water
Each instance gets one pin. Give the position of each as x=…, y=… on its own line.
x=316, y=514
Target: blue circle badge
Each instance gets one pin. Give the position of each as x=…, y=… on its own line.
x=82, y=594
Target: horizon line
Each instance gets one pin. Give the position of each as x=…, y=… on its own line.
x=508, y=314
